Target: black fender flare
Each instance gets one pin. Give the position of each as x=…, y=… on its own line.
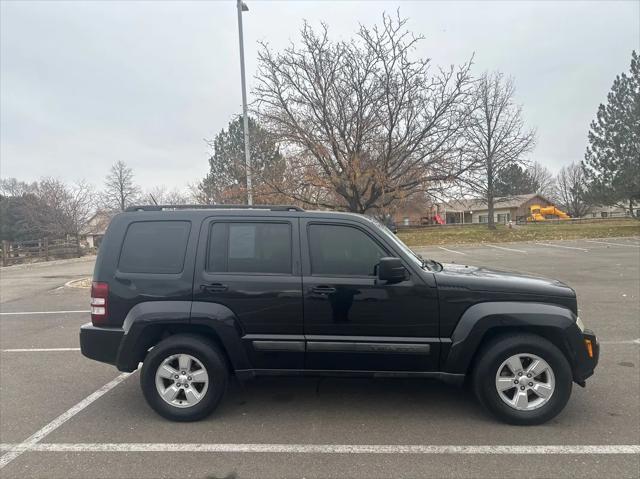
x=141, y=324
x=218, y=319
x=146, y=322
x=483, y=317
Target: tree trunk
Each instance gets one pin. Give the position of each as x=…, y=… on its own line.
x=633, y=213
x=5, y=252
x=490, y=220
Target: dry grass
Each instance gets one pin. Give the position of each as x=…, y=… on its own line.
x=528, y=232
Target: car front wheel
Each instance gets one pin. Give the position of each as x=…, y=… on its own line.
x=523, y=379
x=184, y=377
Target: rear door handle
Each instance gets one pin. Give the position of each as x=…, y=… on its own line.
x=323, y=289
x=214, y=287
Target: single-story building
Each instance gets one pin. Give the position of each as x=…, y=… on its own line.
x=411, y=212
x=96, y=227
x=600, y=211
x=505, y=209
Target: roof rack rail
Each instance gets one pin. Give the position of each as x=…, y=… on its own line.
x=213, y=207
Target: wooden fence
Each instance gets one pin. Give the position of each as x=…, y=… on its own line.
x=32, y=251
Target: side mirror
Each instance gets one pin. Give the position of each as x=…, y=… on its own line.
x=391, y=270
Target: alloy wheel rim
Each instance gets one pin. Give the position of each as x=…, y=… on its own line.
x=525, y=382
x=182, y=380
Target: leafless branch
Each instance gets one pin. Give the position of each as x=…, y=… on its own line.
x=362, y=122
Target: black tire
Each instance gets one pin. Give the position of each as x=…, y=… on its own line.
x=499, y=350
x=204, y=351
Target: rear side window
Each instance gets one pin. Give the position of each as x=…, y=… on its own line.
x=250, y=248
x=154, y=247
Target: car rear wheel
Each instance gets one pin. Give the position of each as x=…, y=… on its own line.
x=184, y=377
x=522, y=379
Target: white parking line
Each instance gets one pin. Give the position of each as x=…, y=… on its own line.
x=506, y=249
x=561, y=246
x=18, y=449
x=331, y=448
x=615, y=244
x=628, y=341
x=451, y=251
x=38, y=350
x=17, y=313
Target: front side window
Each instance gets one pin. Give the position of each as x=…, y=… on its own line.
x=154, y=247
x=342, y=251
x=250, y=248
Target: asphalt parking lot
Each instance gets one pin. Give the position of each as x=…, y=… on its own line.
x=62, y=415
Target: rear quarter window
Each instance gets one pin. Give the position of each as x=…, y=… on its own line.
x=154, y=247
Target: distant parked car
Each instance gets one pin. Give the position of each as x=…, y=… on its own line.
x=389, y=223
x=199, y=294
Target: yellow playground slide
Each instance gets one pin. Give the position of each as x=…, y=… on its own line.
x=539, y=213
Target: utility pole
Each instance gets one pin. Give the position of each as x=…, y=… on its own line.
x=242, y=7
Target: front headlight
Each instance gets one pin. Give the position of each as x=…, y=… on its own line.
x=580, y=324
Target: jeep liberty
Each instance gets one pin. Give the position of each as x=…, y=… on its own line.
x=197, y=294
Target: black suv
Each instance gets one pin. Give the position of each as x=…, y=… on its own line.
x=198, y=294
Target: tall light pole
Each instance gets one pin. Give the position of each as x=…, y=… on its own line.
x=242, y=7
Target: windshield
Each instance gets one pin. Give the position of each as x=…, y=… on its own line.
x=408, y=251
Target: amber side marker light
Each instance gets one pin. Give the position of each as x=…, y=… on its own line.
x=589, y=345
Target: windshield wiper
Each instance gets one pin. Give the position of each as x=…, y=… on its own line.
x=425, y=263
x=438, y=265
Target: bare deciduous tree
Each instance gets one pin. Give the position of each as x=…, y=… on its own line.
x=162, y=195
x=201, y=195
x=544, y=180
x=120, y=191
x=571, y=189
x=13, y=187
x=56, y=210
x=361, y=122
x=46, y=209
x=497, y=138
x=79, y=206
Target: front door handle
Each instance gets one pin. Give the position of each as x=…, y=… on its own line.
x=214, y=287
x=323, y=289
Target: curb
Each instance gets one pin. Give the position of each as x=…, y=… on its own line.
x=41, y=264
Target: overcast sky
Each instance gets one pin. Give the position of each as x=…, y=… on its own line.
x=87, y=83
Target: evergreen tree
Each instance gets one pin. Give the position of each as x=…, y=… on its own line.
x=612, y=159
x=514, y=180
x=226, y=181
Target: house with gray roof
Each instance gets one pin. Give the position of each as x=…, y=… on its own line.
x=512, y=208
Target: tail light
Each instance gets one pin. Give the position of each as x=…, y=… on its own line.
x=99, y=303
